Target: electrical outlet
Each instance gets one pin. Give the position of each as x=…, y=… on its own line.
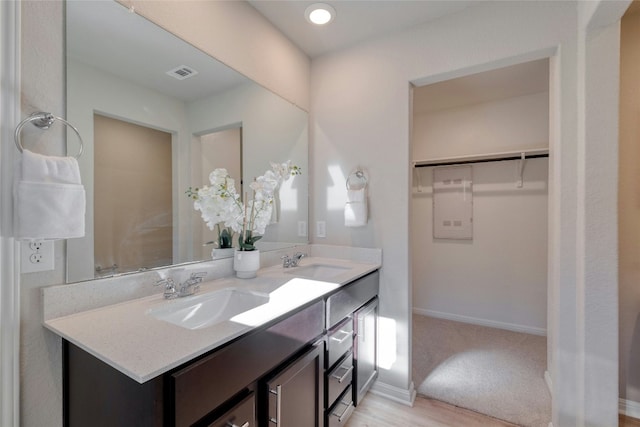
x=36, y=258
x=36, y=255
x=321, y=229
x=302, y=229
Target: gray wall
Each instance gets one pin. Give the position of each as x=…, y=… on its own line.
x=42, y=90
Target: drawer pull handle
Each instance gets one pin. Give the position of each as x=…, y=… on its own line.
x=278, y=392
x=230, y=424
x=347, y=335
x=344, y=376
x=344, y=413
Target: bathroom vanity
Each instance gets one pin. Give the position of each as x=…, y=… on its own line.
x=305, y=363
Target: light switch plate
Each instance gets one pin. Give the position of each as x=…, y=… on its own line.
x=321, y=229
x=36, y=256
x=302, y=228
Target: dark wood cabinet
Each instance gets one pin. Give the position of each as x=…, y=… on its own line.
x=243, y=414
x=195, y=394
x=340, y=412
x=295, y=394
x=297, y=371
x=97, y=395
x=351, y=365
x=201, y=386
x=365, y=349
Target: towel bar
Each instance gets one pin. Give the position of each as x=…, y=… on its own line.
x=356, y=180
x=44, y=121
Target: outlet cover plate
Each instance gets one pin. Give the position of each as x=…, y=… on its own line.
x=36, y=258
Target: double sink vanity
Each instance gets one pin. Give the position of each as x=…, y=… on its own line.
x=293, y=347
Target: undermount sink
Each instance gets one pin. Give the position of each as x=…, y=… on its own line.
x=208, y=309
x=318, y=271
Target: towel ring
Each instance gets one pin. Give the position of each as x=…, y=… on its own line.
x=356, y=180
x=44, y=121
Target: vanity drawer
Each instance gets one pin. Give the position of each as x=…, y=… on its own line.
x=241, y=415
x=339, y=414
x=204, y=385
x=339, y=378
x=351, y=297
x=339, y=341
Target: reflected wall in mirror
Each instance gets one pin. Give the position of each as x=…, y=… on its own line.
x=219, y=149
x=121, y=67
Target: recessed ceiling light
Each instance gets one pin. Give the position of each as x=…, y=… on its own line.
x=320, y=13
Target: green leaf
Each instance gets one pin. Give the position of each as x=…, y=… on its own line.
x=225, y=239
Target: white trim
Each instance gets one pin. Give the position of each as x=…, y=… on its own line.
x=629, y=408
x=9, y=268
x=397, y=394
x=547, y=379
x=482, y=322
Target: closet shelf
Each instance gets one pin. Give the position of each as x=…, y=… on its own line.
x=482, y=158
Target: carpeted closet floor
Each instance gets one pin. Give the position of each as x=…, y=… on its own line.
x=491, y=371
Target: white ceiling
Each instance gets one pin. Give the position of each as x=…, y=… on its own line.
x=359, y=20
x=355, y=21
x=106, y=36
x=140, y=51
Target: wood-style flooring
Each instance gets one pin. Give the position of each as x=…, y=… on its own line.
x=376, y=411
x=628, y=422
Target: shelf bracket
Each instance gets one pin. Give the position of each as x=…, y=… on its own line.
x=520, y=169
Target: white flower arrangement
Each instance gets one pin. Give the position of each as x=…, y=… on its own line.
x=219, y=203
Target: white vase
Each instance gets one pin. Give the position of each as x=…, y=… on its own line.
x=217, y=253
x=246, y=263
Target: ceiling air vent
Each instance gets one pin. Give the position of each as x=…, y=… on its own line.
x=182, y=72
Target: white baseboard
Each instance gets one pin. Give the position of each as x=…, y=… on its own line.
x=482, y=322
x=397, y=394
x=547, y=379
x=629, y=408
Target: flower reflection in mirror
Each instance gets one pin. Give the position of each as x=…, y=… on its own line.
x=220, y=203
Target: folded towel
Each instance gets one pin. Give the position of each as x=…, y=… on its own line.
x=50, y=199
x=356, y=196
x=355, y=211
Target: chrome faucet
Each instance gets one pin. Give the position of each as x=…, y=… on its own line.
x=293, y=260
x=189, y=287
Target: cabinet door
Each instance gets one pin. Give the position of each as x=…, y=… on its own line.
x=295, y=394
x=366, y=324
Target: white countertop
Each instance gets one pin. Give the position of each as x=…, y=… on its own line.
x=124, y=336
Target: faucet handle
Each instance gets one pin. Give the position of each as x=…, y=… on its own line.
x=286, y=261
x=199, y=276
x=167, y=282
x=169, y=287
x=295, y=259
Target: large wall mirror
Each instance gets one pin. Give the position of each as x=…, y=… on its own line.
x=157, y=116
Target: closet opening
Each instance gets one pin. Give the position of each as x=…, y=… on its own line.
x=479, y=230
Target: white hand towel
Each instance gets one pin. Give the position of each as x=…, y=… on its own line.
x=50, y=199
x=355, y=211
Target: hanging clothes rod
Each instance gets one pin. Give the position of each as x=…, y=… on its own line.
x=483, y=158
